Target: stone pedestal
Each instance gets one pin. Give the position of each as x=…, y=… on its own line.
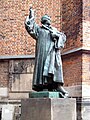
x=48, y=109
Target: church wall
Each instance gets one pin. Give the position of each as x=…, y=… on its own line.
x=70, y=16
x=14, y=40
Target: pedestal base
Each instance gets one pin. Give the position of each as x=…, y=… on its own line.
x=44, y=94
x=48, y=109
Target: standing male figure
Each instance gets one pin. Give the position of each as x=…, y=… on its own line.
x=48, y=72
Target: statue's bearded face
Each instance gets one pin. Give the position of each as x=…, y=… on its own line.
x=46, y=20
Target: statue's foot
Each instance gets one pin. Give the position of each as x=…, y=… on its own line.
x=62, y=91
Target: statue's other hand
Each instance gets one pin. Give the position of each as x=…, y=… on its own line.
x=54, y=35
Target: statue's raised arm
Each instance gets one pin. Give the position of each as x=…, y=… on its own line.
x=30, y=24
x=30, y=19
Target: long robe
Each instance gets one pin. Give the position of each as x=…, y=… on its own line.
x=47, y=54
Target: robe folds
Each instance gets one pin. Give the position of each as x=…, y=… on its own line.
x=47, y=54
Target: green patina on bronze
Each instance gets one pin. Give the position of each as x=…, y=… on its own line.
x=48, y=73
x=44, y=94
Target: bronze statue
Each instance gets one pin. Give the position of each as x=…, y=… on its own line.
x=48, y=74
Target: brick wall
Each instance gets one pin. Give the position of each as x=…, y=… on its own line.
x=72, y=23
x=14, y=40
x=72, y=69
x=86, y=69
x=13, y=37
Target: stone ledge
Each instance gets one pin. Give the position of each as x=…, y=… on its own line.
x=17, y=57
x=10, y=101
x=18, y=96
x=84, y=49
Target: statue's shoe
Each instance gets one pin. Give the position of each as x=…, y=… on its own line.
x=63, y=92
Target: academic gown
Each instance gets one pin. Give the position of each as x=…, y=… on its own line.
x=47, y=54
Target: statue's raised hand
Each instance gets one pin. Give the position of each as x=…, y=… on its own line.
x=31, y=13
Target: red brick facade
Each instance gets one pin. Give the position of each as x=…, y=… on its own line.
x=72, y=68
x=14, y=40
x=72, y=23
x=66, y=16
x=86, y=69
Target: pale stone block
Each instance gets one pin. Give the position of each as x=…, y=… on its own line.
x=85, y=91
x=26, y=82
x=23, y=83
x=48, y=109
x=18, y=96
x=7, y=112
x=86, y=112
x=85, y=109
x=74, y=91
x=3, y=91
